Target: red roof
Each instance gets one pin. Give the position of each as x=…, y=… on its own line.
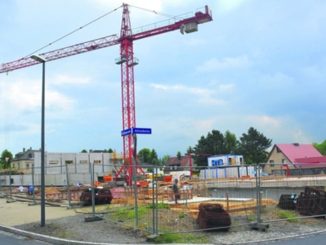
x=311, y=160
x=184, y=161
x=294, y=151
x=310, y=165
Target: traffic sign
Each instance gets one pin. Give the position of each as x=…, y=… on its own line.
x=126, y=132
x=141, y=131
x=129, y=131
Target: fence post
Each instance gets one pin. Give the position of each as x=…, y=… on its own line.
x=156, y=201
x=33, y=183
x=258, y=201
x=258, y=225
x=68, y=189
x=134, y=178
x=153, y=204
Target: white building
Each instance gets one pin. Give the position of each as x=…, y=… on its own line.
x=76, y=163
x=225, y=160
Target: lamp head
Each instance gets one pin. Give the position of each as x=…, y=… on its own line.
x=38, y=58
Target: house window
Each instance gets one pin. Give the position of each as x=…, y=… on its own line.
x=272, y=163
x=27, y=165
x=83, y=161
x=53, y=162
x=97, y=161
x=69, y=161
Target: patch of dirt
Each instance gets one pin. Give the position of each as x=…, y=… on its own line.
x=75, y=228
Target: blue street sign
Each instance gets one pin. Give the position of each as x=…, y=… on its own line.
x=141, y=131
x=126, y=132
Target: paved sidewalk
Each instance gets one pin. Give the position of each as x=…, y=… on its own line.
x=18, y=213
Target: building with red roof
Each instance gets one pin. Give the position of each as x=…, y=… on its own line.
x=294, y=159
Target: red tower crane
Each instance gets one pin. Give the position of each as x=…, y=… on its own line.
x=127, y=61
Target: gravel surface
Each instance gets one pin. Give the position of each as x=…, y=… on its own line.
x=75, y=228
x=277, y=230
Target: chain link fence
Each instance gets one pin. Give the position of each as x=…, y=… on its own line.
x=233, y=198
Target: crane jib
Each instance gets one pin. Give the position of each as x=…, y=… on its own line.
x=186, y=25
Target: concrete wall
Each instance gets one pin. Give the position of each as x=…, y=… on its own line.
x=77, y=163
x=50, y=179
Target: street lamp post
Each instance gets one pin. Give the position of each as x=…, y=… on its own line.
x=7, y=161
x=42, y=60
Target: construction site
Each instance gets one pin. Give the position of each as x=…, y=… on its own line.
x=118, y=189
x=152, y=207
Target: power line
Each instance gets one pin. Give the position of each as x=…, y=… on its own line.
x=152, y=11
x=73, y=31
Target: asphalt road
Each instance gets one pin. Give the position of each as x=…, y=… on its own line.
x=11, y=239
x=316, y=239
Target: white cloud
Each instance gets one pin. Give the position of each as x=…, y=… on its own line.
x=24, y=95
x=280, y=129
x=204, y=96
x=215, y=64
x=265, y=121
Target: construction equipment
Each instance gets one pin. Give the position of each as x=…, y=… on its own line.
x=312, y=201
x=127, y=61
x=287, y=201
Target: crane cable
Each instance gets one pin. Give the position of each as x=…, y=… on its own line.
x=151, y=11
x=73, y=31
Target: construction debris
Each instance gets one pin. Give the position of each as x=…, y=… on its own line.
x=287, y=201
x=213, y=217
x=312, y=201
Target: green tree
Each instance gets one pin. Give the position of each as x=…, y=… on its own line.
x=4, y=155
x=190, y=150
x=212, y=144
x=321, y=147
x=154, y=157
x=83, y=151
x=179, y=155
x=144, y=155
x=253, y=146
x=230, y=142
x=110, y=150
x=148, y=156
x=164, y=160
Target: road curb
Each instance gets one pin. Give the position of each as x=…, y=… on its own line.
x=46, y=238
x=281, y=238
x=61, y=241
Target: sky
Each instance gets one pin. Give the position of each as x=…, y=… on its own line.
x=258, y=64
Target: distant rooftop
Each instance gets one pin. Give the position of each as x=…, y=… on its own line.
x=296, y=150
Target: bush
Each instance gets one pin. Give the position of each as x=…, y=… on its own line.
x=181, y=238
x=288, y=215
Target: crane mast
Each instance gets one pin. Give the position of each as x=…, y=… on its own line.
x=127, y=64
x=127, y=61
